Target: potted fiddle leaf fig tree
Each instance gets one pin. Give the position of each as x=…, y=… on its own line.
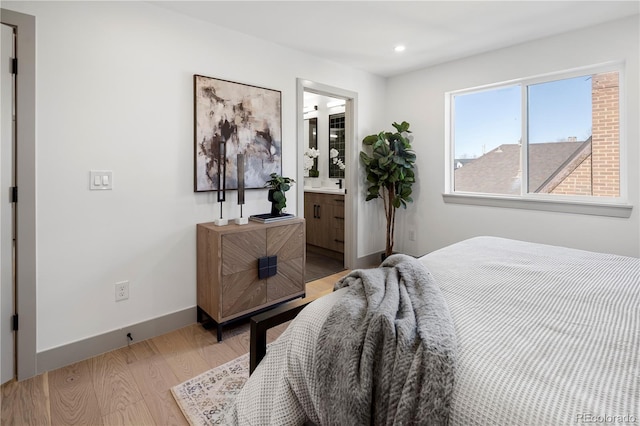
x=278, y=185
x=389, y=162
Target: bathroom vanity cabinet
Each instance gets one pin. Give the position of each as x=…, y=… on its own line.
x=324, y=215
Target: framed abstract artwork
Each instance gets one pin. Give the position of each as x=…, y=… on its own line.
x=231, y=119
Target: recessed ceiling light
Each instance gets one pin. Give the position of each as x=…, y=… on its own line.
x=399, y=48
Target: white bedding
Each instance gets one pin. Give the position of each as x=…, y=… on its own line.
x=546, y=335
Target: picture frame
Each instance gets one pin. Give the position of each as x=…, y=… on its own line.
x=233, y=118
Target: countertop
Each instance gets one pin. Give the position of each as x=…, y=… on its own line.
x=324, y=190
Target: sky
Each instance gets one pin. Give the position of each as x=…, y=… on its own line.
x=557, y=110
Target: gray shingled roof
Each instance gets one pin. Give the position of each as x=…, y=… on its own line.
x=498, y=171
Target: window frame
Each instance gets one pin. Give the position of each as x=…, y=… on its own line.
x=592, y=205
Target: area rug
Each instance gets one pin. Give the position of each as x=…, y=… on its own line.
x=205, y=399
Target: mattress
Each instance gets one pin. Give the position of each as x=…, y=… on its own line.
x=546, y=336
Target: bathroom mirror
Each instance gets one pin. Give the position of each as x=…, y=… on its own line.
x=311, y=128
x=336, y=146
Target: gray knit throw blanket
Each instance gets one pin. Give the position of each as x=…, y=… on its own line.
x=387, y=352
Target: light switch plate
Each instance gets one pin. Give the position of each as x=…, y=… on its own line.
x=100, y=179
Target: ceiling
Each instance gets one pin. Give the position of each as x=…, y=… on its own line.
x=363, y=34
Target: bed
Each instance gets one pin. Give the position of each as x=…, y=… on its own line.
x=545, y=335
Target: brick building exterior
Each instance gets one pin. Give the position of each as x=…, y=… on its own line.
x=599, y=173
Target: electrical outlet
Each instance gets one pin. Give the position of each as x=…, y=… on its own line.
x=412, y=235
x=122, y=290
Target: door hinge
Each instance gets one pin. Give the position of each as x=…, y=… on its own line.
x=14, y=65
x=14, y=325
x=14, y=194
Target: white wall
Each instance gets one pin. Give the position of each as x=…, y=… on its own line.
x=418, y=98
x=115, y=91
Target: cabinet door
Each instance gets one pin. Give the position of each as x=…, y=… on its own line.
x=325, y=214
x=286, y=242
x=338, y=223
x=241, y=288
x=312, y=218
x=336, y=229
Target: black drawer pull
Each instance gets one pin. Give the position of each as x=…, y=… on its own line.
x=338, y=217
x=339, y=241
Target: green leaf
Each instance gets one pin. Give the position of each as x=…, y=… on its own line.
x=380, y=144
x=399, y=160
x=370, y=140
x=402, y=127
x=383, y=162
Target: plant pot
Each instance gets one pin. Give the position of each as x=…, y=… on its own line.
x=274, y=209
x=383, y=255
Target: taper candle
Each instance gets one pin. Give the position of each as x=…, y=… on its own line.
x=240, y=168
x=222, y=171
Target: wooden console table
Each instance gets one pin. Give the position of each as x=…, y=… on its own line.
x=244, y=269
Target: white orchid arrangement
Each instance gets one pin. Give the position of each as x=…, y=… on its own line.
x=309, y=158
x=333, y=155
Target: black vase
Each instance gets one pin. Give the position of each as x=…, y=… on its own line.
x=274, y=208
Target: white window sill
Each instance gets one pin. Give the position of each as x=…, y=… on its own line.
x=577, y=207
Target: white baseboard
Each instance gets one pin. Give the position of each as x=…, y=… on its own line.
x=77, y=351
x=369, y=261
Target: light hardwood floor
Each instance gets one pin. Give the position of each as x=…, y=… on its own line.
x=131, y=385
x=319, y=265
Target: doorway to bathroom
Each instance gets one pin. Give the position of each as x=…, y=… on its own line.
x=326, y=141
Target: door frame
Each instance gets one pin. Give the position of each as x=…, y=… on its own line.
x=351, y=159
x=26, y=262
x=7, y=207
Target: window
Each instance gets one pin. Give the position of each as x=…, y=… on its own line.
x=550, y=138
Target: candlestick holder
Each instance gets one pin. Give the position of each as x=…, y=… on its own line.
x=222, y=180
x=240, y=169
